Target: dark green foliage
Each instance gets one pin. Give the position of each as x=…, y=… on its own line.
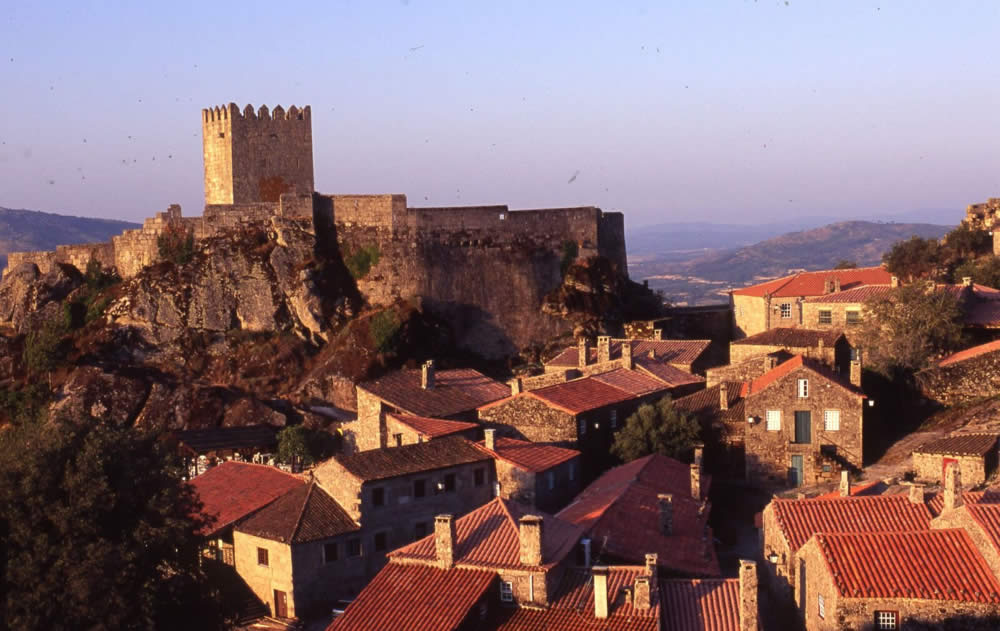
x=964, y=242
x=42, y=347
x=658, y=428
x=984, y=271
x=360, y=261
x=384, y=328
x=914, y=258
x=904, y=331
x=304, y=446
x=24, y=406
x=176, y=244
x=845, y=264
x=570, y=250
x=99, y=532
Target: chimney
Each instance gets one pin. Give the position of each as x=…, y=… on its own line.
x=748, y=596
x=836, y=284
x=427, y=375
x=770, y=362
x=917, y=493
x=444, y=540
x=845, y=483
x=696, y=481
x=828, y=286
x=952, y=487
x=657, y=334
x=723, y=396
x=820, y=346
x=530, y=535
x=627, y=355
x=642, y=600
x=490, y=439
x=894, y=282
x=666, y=503
x=516, y=385
x=603, y=349
x=582, y=352
x=856, y=372
x=699, y=453
x=601, y=591
x=651, y=560
x=966, y=281
x=652, y=353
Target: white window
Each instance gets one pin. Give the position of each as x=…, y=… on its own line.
x=786, y=310
x=854, y=317
x=551, y=479
x=614, y=419
x=773, y=420
x=822, y=606
x=831, y=420
x=803, y=388
x=506, y=591
x=583, y=427
x=885, y=620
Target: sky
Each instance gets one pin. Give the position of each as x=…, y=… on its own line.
x=726, y=111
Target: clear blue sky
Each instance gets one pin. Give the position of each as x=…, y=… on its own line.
x=734, y=111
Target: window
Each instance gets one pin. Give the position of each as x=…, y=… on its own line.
x=479, y=477
x=419, y=530
x=507, y=592
x=551, y=477
x=786, y=310
x=583, y=427
x=886, y=620
x=449, y=483
x=853, y=317
x=419, y=488
x=354, y=548
x=822, y=606
x=803, y=388
x=825, y=316
x=399, y=439
x=773, y=420
x=262, y=556
x=378, y=497
x=831, y=420
x=381, y=541
x=502, y=216
x=331, y=552
x=614, y=419
x=572, y=471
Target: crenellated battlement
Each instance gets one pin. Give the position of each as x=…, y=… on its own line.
x=224, y=113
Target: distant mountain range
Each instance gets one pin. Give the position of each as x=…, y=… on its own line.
x=28, y=230
x=698, y=277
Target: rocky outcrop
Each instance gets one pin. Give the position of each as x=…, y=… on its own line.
x=27, y=295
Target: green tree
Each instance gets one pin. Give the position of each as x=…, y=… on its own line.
x=294, y=445
x=903, y=331
x=914, y=258
x=964, y=243
x=42, y=346
x=658, y=428
x=984, y=271
x=845, y=264
x=99, y=532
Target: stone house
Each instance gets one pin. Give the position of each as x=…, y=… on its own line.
x=404, y=429
x=965, y=376
x=582, y=414
x=541, y=476
x=976, y=455
x=829, y=347
x=427, y=392
x=804, y=424
x=978, y=517
x=395, y=493
x=779, y=303
x=746, y=369
x=719, y=410
x=655, y=505
x=689, y=356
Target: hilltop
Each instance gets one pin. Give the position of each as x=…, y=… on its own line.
x=28, y=230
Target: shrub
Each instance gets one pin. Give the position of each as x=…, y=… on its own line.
x=570, y=250
x=176, y=244
x=383, y=327
x=360, y=261
x=42, y=346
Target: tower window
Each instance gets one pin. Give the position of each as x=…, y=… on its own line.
x=222, y=134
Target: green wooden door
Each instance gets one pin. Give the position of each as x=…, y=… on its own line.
x=803, y=422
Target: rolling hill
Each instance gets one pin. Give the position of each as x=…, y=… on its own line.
x=27, y=230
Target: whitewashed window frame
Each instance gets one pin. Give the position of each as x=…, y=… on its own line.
x=831, y=420
x=802, y=388
x=772, y=420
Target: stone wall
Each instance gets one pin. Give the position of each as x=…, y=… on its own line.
x=964, y=381
x=929, y=467
x=749, y=316
x=744, y=370
x=838, y=315
x=264, y=579
x=743, y=352
x=527, y=418
x=780, y=573
x=533, y=489
x=319, y=582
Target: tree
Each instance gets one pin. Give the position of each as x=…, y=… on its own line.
x=658, y=428
x=99, y=532
x=984, y=271
x=904, y=330
x=964, y=243
x=845, y=264
x=914, y=258
x=293, y=445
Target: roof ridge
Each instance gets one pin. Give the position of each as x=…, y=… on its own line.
x=302, y=511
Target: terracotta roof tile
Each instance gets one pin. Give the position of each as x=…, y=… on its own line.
x=756, y=386
x=989, y=496
x=415, y=597
x=670, y=375
x=801, y=519
x=701, y=604
x=929, y=564
x=209, y=439
x=707, y=403
x=454, y=391
x=813, y=283
x=379, y=464
x=306, y=513
x=233, y=490
x=969, y=353
x=581, y=395
x=534, y=457
x=792, y=337
x=988, y=517
x=433, y=427
x=960, y=444
x=631, y=381
x=856, y=295
x=622, y=505
x=487, y=538
x=665, y=351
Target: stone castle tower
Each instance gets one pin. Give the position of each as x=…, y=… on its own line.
x=255, y=157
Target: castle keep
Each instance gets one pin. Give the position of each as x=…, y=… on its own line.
x=486, y=269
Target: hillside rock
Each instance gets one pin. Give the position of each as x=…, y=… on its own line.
x=26, y=294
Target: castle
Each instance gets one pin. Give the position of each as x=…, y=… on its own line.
x=485, y=267
x=984, y=217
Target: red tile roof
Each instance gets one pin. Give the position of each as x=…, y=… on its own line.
x=801, y=519
x=682, y=352
x=487, y=538
x=306, y=513
x=631, y=381
x=989, y=496
x=433, y=427
x=670, y=375
x=534, y=457
x=701, y=604
x=622, y=505
x=379, y=464
x=792, y=337
x=857, y=295
x=988, y=517
x=415, y=597
x=233, y=490
x=454, y=391
x=581, y=395
x=960, y=444
x=929, y=564
x=572, y=609
x=969, y=353
x=872, y=488
x=813, y=283
x=756, y=386
x=707, y=404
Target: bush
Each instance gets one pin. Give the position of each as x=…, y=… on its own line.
x=26, y=405
x=176, y=244
x=360, y=262
x=914, y=258
x=42, y=346
x=383, y=328
x=570, y=250
x=656, y=429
